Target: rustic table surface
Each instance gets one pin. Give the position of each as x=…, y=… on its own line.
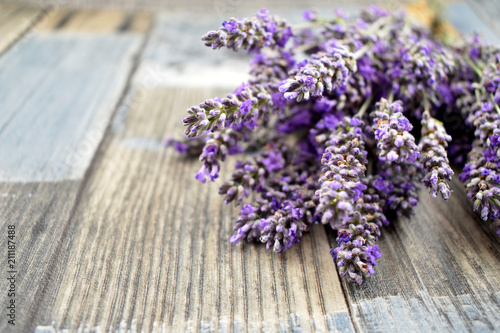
x=113, y=232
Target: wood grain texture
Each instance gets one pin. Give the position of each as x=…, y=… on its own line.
x=64, y=20
x=41, y=118
x=439, y=272
x=102, y=21
x=76, y=82
x=16, y=21
x=57, y=18
x=151, y=244
x=40, y=212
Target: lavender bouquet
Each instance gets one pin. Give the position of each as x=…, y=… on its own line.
x=345, y=120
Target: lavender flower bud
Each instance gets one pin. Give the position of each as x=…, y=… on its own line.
x=391, y=129
x=397, y=185
x=251, y=175
x=482, y=181
x=248, y=224
x=240, y=108
x=213, y=151
x=284, y=228
x=343, y=166
x=434, y=159
x=325, y=71
x=251, y=34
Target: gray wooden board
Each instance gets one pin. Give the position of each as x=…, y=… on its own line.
x=469, y=17
x=57, y=96
x=40, y=213
x=57, y=93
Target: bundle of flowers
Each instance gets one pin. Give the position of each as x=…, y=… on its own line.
x=342, y=121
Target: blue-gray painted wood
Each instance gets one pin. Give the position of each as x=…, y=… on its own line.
x=57, y=94
x=465, y=18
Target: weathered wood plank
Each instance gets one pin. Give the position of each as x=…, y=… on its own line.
x=72, y=21
x=55, y=20
x=140, y=22
x=67, y=87
x=146, y=248
x=457, y=11
x=153, y=243
x=98, y=21
x=16, y=21
x=58, y=93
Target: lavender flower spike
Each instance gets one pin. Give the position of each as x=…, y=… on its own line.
x=434, y=158
x=214, y=114
x=213, y=151
x=250, y=34
x=357, y=253
x=356, y=257
x=284, y=228
x=248, y=224
x=391, y=129
x=325, y=71
x=343, y=166
x=482, y=182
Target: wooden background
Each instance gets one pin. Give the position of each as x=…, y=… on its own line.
x=114, y=234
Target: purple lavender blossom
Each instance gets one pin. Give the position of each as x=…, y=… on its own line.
x=248, y=224
x=326, y=71
x=213, y=151
x=356, y=258
x=271, y=69
x=187, y=147
x=285, y=228
x=356, y=253
x=434, y=158
x=310, y=15
x=251, y=34
x=239, y=108
x=344, y=164
x=303, y=124
x=397, y=185
x=482, y=181
x=251, y=175
x=391, y=129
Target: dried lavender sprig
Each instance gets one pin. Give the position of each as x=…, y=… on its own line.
x=251, y=175
x=252, y=34
x=289, y=196
x=357, y=253
x=213, y=152
x=241, y=107
x=248, y=224
x=186, y=146
x=481, y=174
x=482, y=180
x=271, y=68
x=392, y=131
x=285, y=228
x=434, y=159
x=423, y=67
x=344, y=164
x=217, y=146
x=398, y=185
x=325, y=70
